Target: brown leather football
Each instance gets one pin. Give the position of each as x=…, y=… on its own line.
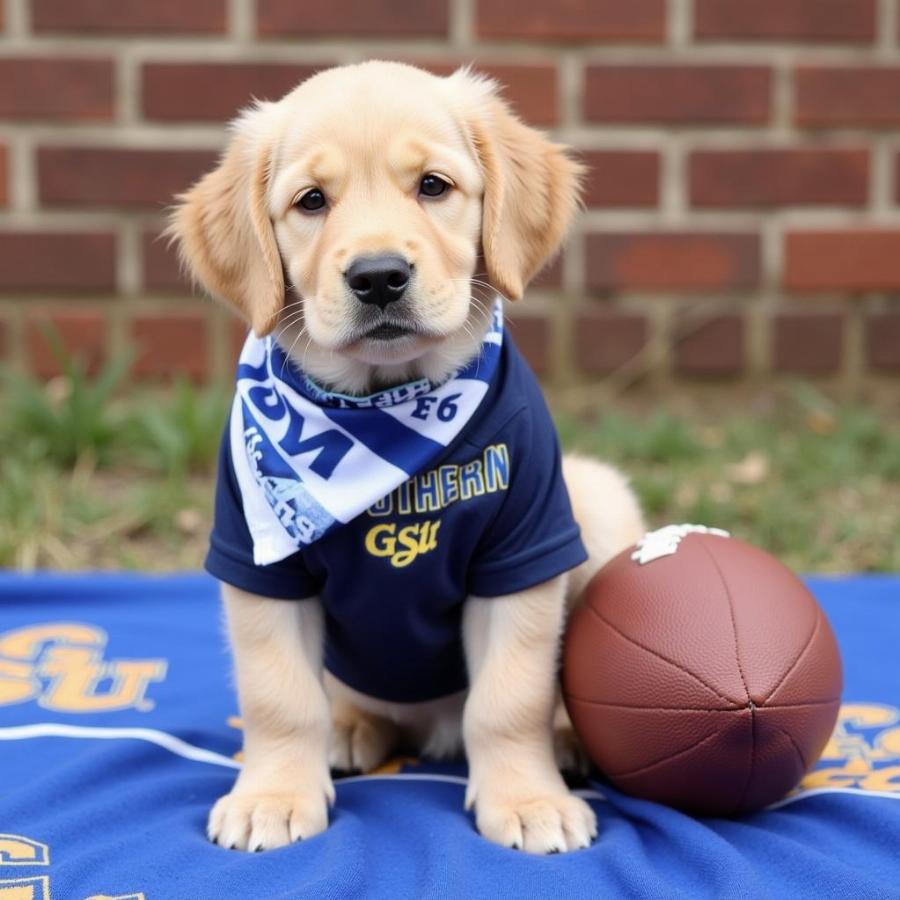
x=700, y=672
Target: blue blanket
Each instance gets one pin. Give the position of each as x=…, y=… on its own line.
x=118, y=730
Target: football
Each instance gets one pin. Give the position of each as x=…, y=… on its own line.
x=700, y=672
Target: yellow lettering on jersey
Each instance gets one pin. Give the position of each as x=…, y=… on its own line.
x=436, y=489
x=402, y=547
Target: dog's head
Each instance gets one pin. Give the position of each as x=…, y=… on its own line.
x=369, y=216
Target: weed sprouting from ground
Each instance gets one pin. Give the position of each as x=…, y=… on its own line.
x=95, y=473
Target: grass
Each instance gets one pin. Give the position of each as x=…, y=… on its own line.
x=95, y=474
x=818, y=487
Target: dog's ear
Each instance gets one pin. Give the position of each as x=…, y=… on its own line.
x=531, y=187
x=223, y=229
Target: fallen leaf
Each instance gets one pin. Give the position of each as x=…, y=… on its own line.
x=752, y=469
x=188, y=521
x=821, y=421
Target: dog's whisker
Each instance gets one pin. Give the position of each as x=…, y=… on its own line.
x=300, y=333
x=292, y=319
x=306, y=348
x=287, y=326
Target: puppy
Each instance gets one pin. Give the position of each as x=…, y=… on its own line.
x=396, y=545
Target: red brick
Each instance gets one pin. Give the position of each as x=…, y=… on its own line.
x=530, y=88
x=711, y=347
x=573, y=20
x=56, y=88
x=214, y=91
x=68, y=262
x=763, y=178
x=621, y=178
x=238, y=330
x=100, y=177
x=678, y=94
x=786, y=20
x=849, y=261
x=400, y=18
x=606, y=341
x=844, y=96
x=883, y=341
x=533, y=336
x=162, y=271
x=551, y=275
x=670, y=261
x=4, y=177
x=128, y=16
x=82, y=334
x=807, y=344
x=170, y=345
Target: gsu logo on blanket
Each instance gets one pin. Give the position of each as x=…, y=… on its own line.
x=863, y=753
x=60, y=665
x=18, y=850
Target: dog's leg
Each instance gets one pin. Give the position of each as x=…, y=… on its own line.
x=361, y=739
x=284, y=788
x=607, y=512
x=610, y=519
x=571, y=756
x=518, y=794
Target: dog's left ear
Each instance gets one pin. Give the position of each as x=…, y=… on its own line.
x=532, y=187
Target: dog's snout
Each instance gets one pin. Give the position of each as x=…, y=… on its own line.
x=378, y=279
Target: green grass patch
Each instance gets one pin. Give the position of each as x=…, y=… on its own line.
x=95, y=473
x=817, y=486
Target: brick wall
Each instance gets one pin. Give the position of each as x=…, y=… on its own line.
x=743, y=206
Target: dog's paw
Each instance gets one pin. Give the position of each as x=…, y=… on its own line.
x=540, y=823
x=263, y=821
x=360, y=743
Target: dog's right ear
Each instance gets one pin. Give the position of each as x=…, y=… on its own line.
x=223, y=230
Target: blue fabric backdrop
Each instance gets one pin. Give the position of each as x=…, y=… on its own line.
x=118, y=731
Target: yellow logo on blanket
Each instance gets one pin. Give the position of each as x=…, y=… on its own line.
x=18, y=850
x=863, y=753
x=60, y=665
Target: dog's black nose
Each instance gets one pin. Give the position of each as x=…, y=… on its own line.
x=378, y=279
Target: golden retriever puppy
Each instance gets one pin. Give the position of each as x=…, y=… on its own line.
x=394, y=538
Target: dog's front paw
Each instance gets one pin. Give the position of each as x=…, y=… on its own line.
x=263, y=821
x=551, y=822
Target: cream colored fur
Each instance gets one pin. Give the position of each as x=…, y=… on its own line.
x=365, y=135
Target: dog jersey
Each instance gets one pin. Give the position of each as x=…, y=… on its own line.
x=491, y=517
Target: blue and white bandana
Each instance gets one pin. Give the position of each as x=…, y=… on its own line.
x=308, y=461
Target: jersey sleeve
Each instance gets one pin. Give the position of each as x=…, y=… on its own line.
x=230, y=556
x=534, y=536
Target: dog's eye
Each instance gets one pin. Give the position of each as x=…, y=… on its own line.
x=312, y=201
x=433, y=186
